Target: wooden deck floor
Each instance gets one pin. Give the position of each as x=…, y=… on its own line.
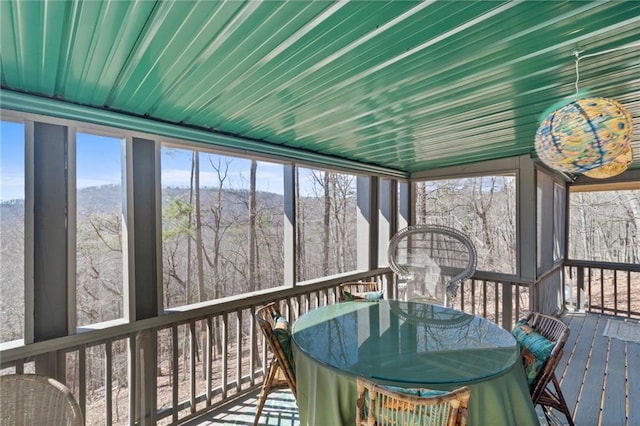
x=599, y=375
x=279, y=410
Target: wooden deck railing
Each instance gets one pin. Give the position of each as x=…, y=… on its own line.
x=203, y=356
x=199, y=356
x=501, y=301
x=602, y=287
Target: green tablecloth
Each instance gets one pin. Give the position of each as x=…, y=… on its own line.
x=407, y=345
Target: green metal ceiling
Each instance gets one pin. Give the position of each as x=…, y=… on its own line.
x=404, y=85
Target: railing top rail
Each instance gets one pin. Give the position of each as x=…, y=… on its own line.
x=497, y=277
x=179, y=316
x=604, y=265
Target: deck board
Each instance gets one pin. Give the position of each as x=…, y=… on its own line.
x=613, y=409
x=575, y=364
x=591, y=392
x=633, y=381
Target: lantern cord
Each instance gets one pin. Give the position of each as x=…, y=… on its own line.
x=578, y=57
x=575, y=52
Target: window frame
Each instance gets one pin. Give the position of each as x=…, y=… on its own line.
x=521, y=168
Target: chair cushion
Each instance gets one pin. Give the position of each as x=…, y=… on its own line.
x=367, y=295
x=282, y=332
x=421, y=392
x=535, y=348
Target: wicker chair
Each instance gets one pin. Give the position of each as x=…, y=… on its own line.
x=433, y=260
x=281, y=373
x=386, y=406
x=356, y=287
x=542, y=394
x=28, y=399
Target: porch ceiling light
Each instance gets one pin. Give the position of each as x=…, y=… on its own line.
x=583, y=135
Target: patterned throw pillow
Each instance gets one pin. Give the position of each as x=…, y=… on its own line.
x=282, y=332
x=535, y=348
x=367, y=295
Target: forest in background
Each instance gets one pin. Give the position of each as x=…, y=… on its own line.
x=220, y=241
x=223, y=242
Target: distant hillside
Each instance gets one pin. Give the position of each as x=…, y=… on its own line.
x=94, y=199
x=107, y=198
x=12, y=206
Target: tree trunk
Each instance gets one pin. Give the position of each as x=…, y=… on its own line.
x=187, y=285
x=326, y=224
x=634, y=247
x=252, y=228
x=300, y=249
x=202, y=295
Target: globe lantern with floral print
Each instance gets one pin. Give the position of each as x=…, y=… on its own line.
x=583, y=135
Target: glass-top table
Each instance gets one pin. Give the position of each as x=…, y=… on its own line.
x=407, y=344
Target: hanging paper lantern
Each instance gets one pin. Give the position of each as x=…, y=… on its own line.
x=614, y=168
x=583, y=135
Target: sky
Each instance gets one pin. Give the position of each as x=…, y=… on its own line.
x=99, y=163
x=11, y=161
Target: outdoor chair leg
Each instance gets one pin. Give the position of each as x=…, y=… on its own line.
x=563, y=404
x=554, y=400
x=264, y=391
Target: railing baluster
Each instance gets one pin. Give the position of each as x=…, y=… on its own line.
x=108, y=382
x=484, y=298
x=193, y=348
x=265, y=355
x=289, y=308
x=602, y=303
x=225, y=354
x=306, y=303
x=580, y=287
x=506, y=306
x=496, y=295
x=82, y=383
x=629, y=294
x=174, y=371
x=209, y=359
x=473, y=297
x=238, y=350
x=517, y=303
x=252, y=347
x=132, y=379
x=615, y=292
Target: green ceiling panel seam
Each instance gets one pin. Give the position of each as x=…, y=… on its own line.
x=36, y=105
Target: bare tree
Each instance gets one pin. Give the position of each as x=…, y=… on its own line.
x=482, y=203
x=632, y=235
x=253, y=252
x=324, y=179
x=300, y=234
